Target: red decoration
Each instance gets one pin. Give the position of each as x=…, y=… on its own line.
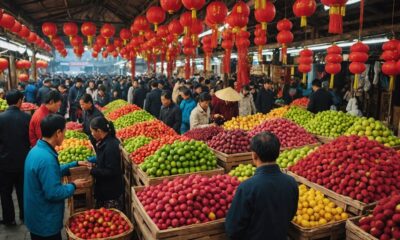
x=125, y=34
x=237, y=21
x=175, y=28
x=358, y=57
x=155, y=15
x=107, y=31
x=336, y=13
x=70, y=29
x=3, y=64
x=264, y=12
x=16, y=28
x=32, y=37
x=76, y=41
x=95, y=54
x=243, y=69
x=171, y=6
x=390, y=55
x=305, y=61
x=304, y=9
x=227, y=44
x=196, y=29
x=23, y=64
x=193, y=5
x=24, y=32
x=216, y=15
x=7, y=21
x=23, y=77
x=333, y=63
x=101, y=41
x=207, y=48
x=162, y=31
x=88, y=29
x=284, y=36
x=186, y=22
x=41, y=64
x=49, y=29
x=140, y=25
x=241, y=8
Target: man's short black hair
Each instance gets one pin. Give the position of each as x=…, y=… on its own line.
x=186, y=91
x=266, y=145
x=51, y=123
x=63, y=86
x=102, y=88
x=154, y=83
x=267, y=81
x=316, y=83
x=87, y=98
x=246, y=87
x=13, y=96
x=207, y=81
x=79, y=80
x=197, y=85
x=166, y=94
x=53, y=95
x=47, y=80
x=205, y=96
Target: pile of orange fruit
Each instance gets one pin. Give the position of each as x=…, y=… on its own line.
x=73, y=142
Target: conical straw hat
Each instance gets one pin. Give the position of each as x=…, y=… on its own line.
x=228, y=94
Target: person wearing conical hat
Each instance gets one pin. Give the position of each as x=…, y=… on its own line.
x=226, y=104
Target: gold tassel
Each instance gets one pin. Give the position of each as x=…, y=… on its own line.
x=263, y=4
x=90, y=41
x=356, y=78
x=194, y=14
x=334, y=10
x=292, y=71
x=391, y=83
x=305, y=78
x=343, y=10
x=332, y=81
x=264, y=26
x=256, y=4
x=303, y=21
x=185, y=30
x=155, y=27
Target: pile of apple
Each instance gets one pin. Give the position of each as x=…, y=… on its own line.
x=73, y=142
x=384, y=222
x=299, y=115
x=179, y=158
x=132, y=118
x=26, y=106
x=231, y=141
x=290, y=157
x=3, y=104
x=300, y=102
x=116, y=104
x=75, y=134
x=98, y=224
x=74, y=126
x=243, y=172
x=114, y=115
x=134, y=143
x=77, y=153
x=330, y=123
x=245, y=122
x=143, y=152
x=353, y=166
x=187, y=201
x=203, y=134
x=374, y=130
x=153, y=129
x=289, y=133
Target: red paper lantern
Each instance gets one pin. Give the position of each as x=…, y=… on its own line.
x=95, y=54
x=162, y=31
x=358, y=57
x=237, y=21
x=7, y=21
x=23, y=77
x=101, y=41
x=24, y=32
x=17, y=27
x=217, y=12
x=79, y=51
x=110, y=48
x=70, y=29
x=41, y=64
x=76, y=41
x=390, y=55
x=284, y=36
x=107, y=31
x=88, y=29
x=333, y=63
x=264, y=12
x=125, y=35
x=114, y=54
x=241, y=8
x=175, y=27
x=304, y=9
x=186, y=22
x=155, y=15
x=305, y=61
x=189, y=51
x=336, y=12
x=49, y=29
x=118, y=43
x=3, y=64
x=171, y=6
x=32, y=37
x=140, y=25
x=193, y=5
x=196, y=29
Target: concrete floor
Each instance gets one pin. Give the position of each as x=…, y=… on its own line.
x=19, y=232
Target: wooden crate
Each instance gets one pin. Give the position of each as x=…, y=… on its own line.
x=126, y=166
x=354, y=232
x=123, y=236
x=324, y=139
x=145, y=180
x=350, y=205
x=83, y=197
x=128, y=201
x=148, y=230
x=229, y=161
x=135, y=177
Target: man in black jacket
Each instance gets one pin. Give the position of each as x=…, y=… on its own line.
x=320, y=99
x=89, y=113
x=64, y=100
x=42, y=92
x=14, y=147
x=170, y=113
x=265, y=98
x=153, y=100
x=75, y=93
x=136, y=93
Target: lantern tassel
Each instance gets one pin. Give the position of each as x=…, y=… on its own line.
x=391, y=83
x=263, y=4
x=332, y=81
x=304, y=78
x=264, y=26
x=284, y=52
x=356, y=79
x=292, y=71
x=343, y=10
x=335, y=20
x=155, y=27
x=303, y=21
x=260, y=48
x=257, y=4
x=194, y=14
x=90, y=41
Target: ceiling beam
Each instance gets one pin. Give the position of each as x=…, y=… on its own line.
x=66, y=6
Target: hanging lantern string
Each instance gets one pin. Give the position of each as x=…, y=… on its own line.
x=285, y=8
x=361, y=19
x=394, y=3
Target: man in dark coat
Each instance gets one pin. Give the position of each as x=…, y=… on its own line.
x=153, y=100
x=75, y=93
x=320, y=99
x=265, y=98
x=263, y=205
x=42, y=92
x=64, y=101
x=14, y=147
x=170, y=113
x=89, y=113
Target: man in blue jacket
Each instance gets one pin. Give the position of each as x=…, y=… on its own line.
x=30, y=92
x=264, y=204
x=44, y=194
x=186, y=106
x=74, y=94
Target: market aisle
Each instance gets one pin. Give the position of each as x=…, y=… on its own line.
x=19, y=232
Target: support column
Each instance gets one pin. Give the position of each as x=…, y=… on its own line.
x=34, y=69
x=12, y=82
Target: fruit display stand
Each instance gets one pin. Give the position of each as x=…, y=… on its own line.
x=350, y=205
x=229, y=161
x=145, y=180
x=148, y=230
x=126, y=166
x=123, y=236
x=354, y=232
x=83, y=197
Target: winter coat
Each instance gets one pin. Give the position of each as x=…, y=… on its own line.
x=199, y=118
x=93, y=93
x=186, y=107
x=44, y=194
x=171, y=116
x=265, y=101
x=320, y=100
x=74, y=96
x=30, y=93
x=246, y=105
x=35, y=133
x=153, y=102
